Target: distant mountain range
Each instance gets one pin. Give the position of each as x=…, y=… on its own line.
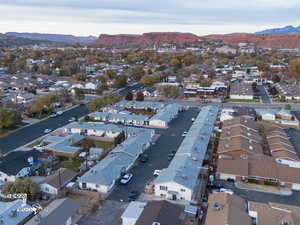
x=146, y=38
x=283, y=30
x=11, y=41
x=62, y=38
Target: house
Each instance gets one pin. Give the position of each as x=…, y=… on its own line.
x=273, y=213
x=60, y=211
x=285, y=115
x=241, y=91
x=164, y=116
x=145, y=105
x=226, y=209
x=132, y=212
x=158, y=212
x=267, y=115
x=56, y=181
x=180, y=179
x=18, y=164
x=260, y=170
x=150, y=92
x=15, y=212
x=103, y=175
x=66, y=146
x=124, y=118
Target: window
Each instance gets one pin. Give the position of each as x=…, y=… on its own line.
x=163, y=188
x=182, y=198
x=182, y=190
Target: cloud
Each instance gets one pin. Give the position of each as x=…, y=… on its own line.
x=113, y=16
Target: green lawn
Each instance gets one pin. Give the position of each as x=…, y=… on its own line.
x=243, y=100
x=104, y=145
x=73, y=165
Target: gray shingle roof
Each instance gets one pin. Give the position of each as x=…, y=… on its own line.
x=186, y=164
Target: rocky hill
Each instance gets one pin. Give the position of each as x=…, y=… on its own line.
x=10, y=41
x=274, y=41
x=283, y=30
x=146, y=38
x=62, y=38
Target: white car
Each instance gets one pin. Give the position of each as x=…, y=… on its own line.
x=72, y=119
x=156, y=173
x=193, y=119
x=46, y=131
x=126, y=178
x=229, y=191
x=53, y=115
x=59, y=113
x=184, y=134
x=38, y=147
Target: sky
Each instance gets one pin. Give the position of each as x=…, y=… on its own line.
x=93, y=17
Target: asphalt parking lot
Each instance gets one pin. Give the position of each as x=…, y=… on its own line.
x=295, y=139
x=256, y=196
x=169, y=140
x=263, y=94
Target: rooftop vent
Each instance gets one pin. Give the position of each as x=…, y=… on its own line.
x=217, y=206
x=184, y=176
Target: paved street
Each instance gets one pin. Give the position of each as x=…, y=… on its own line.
x=293, y=199
x=31, y=132
x=169, y=140
x=263, y=94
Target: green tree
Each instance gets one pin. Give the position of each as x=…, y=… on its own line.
x=169, y=91
x=8, y=118
x=294, y=69
x=79, y=94
x=120, y=81
x=25, y=185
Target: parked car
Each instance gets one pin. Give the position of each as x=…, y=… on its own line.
x=156, y=173
x=193, y=119
x=229, y=191
x=72, y=119
x=184, y=134
x=46, y=131
x=59, y=113
x=38, y=147
x=126, y=178
x=133, y=195
x=143, y=158
x=53, y=115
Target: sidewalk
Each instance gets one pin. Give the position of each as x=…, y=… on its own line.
x=263, y=188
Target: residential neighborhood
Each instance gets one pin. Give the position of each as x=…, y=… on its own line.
x=154, y=128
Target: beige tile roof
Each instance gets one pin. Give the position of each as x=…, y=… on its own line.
x=241, y=121
x=232, y=210
x=274, y=213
